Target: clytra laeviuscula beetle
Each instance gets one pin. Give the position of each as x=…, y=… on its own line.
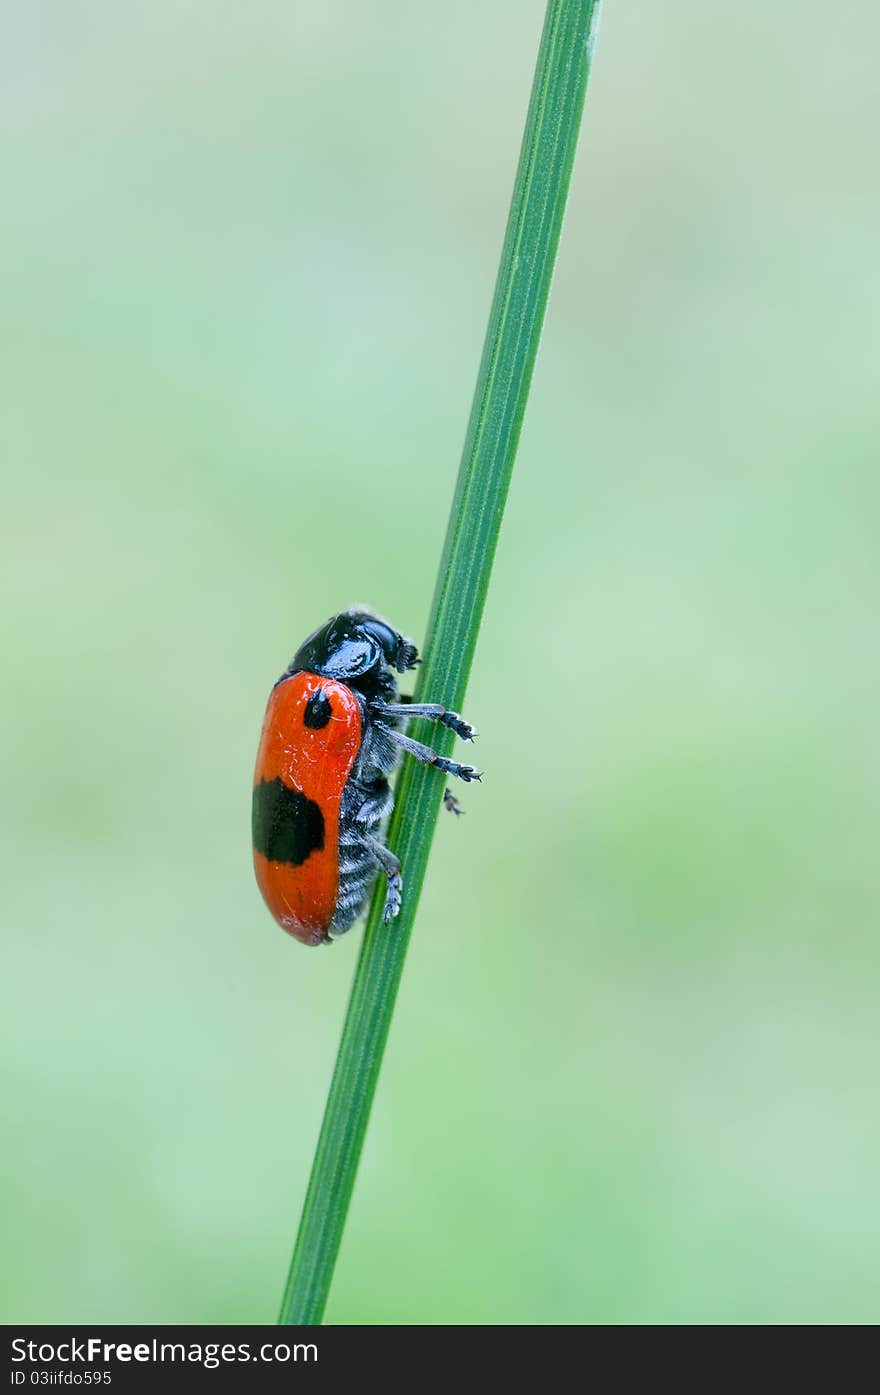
x=332, y=734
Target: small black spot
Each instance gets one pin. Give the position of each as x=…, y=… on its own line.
x=287, y=826
x=318, y=710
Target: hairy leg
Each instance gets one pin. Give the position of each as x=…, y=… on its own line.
x=391, y=867
x=429, y=757
x=431, y=711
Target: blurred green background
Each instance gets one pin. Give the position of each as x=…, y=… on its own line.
x=249, y=256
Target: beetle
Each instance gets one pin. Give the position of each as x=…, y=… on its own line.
x=332, y=734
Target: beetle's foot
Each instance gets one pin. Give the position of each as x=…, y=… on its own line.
x=452, y=767
x=451, y=803
x=459, y=726
x=393, y=897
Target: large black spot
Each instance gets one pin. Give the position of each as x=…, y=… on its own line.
x=287, y=826
x=318, y=710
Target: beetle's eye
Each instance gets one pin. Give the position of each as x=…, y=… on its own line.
x=381, y=634
x=318, y=710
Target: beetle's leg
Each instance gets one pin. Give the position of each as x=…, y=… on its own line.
x=451, y=803
x=432, y=711
x=376, y=804
x=427, y=756
x=391, y=867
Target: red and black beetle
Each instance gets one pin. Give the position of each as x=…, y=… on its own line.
x=331, y=736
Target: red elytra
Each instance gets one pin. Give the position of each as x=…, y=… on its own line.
x=304, y=768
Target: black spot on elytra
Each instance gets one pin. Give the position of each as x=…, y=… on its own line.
x=287, y=826
x=318, y=710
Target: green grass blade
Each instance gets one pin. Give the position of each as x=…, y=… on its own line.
x=502, y=388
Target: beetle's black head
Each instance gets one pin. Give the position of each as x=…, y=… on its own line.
x=358, y=649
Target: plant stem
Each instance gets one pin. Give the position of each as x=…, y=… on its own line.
x=502, y=388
